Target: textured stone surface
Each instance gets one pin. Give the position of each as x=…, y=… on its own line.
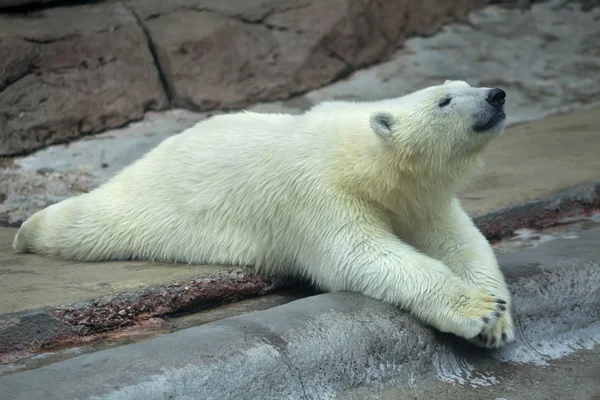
x=70, y=71
x=228, y=54
x=559, y=39
x=50, y=327
x=323, y=345
x=547, y=59
x=25, y=190
x=21, y=3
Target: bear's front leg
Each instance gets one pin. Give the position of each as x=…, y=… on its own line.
x=370, y=259
x=451, y=237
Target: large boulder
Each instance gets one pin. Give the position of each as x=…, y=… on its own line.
x=66, y=72
x=71, y=71
x=230, y=53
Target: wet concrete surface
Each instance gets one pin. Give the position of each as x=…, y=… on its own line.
x=575, y=377
x=154, y=327
x=184, y=321
x=29, y=281
x=538, y=159
x=149, y=329
x=27, y=332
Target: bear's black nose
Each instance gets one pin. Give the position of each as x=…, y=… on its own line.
x=496, y=97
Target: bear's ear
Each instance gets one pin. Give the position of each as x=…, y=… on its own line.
x=447, y=81
x=382, y=124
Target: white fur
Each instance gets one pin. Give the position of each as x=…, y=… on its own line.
x=354, y=196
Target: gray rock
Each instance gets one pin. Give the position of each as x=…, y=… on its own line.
x=546, y=58
x=328, y=344
x=229, y=54
x=70, y=71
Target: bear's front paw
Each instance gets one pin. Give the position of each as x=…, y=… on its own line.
x=501, y=333
x=476, y=312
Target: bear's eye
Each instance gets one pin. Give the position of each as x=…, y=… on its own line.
x=445, y=101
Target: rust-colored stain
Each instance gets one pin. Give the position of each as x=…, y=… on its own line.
x=114, y=311
x=581, y=200
x=26, y=332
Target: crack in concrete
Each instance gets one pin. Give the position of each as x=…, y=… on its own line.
x=168, y=89
x=57, y=39
x=370, y=17
x=10, y=82
x=30, y=68
x=295, y=371
x=333, y=54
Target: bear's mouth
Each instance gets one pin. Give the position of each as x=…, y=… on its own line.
x=495, y=120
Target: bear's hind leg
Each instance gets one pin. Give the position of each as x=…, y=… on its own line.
x=79, y=228
x=42, y=232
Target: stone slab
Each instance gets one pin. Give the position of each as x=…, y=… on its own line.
x=229, y=54
x=331, y=343
x=538, y=159
x=31, y=282
x=70, y=71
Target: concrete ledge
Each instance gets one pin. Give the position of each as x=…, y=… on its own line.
x=83, y=321
x=323, y=345
x=579, y=200
x=24, y=332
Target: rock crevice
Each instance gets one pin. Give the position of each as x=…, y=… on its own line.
x=168, y=90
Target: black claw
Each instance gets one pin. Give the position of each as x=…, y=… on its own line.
x=493, y=341
x=498, y=315
x=503, y=308
x=480, y=337
x=500, y=301
x=486, y=320
x=504, y=337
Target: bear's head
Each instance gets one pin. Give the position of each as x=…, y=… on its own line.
x=452, y=121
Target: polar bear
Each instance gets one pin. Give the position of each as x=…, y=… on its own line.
x=355, y=196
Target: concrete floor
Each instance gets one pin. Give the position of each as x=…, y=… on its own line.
x=572, y=377
x=29, y=281
x=538, y=159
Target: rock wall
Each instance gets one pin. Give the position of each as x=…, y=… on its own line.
x=73, y=70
